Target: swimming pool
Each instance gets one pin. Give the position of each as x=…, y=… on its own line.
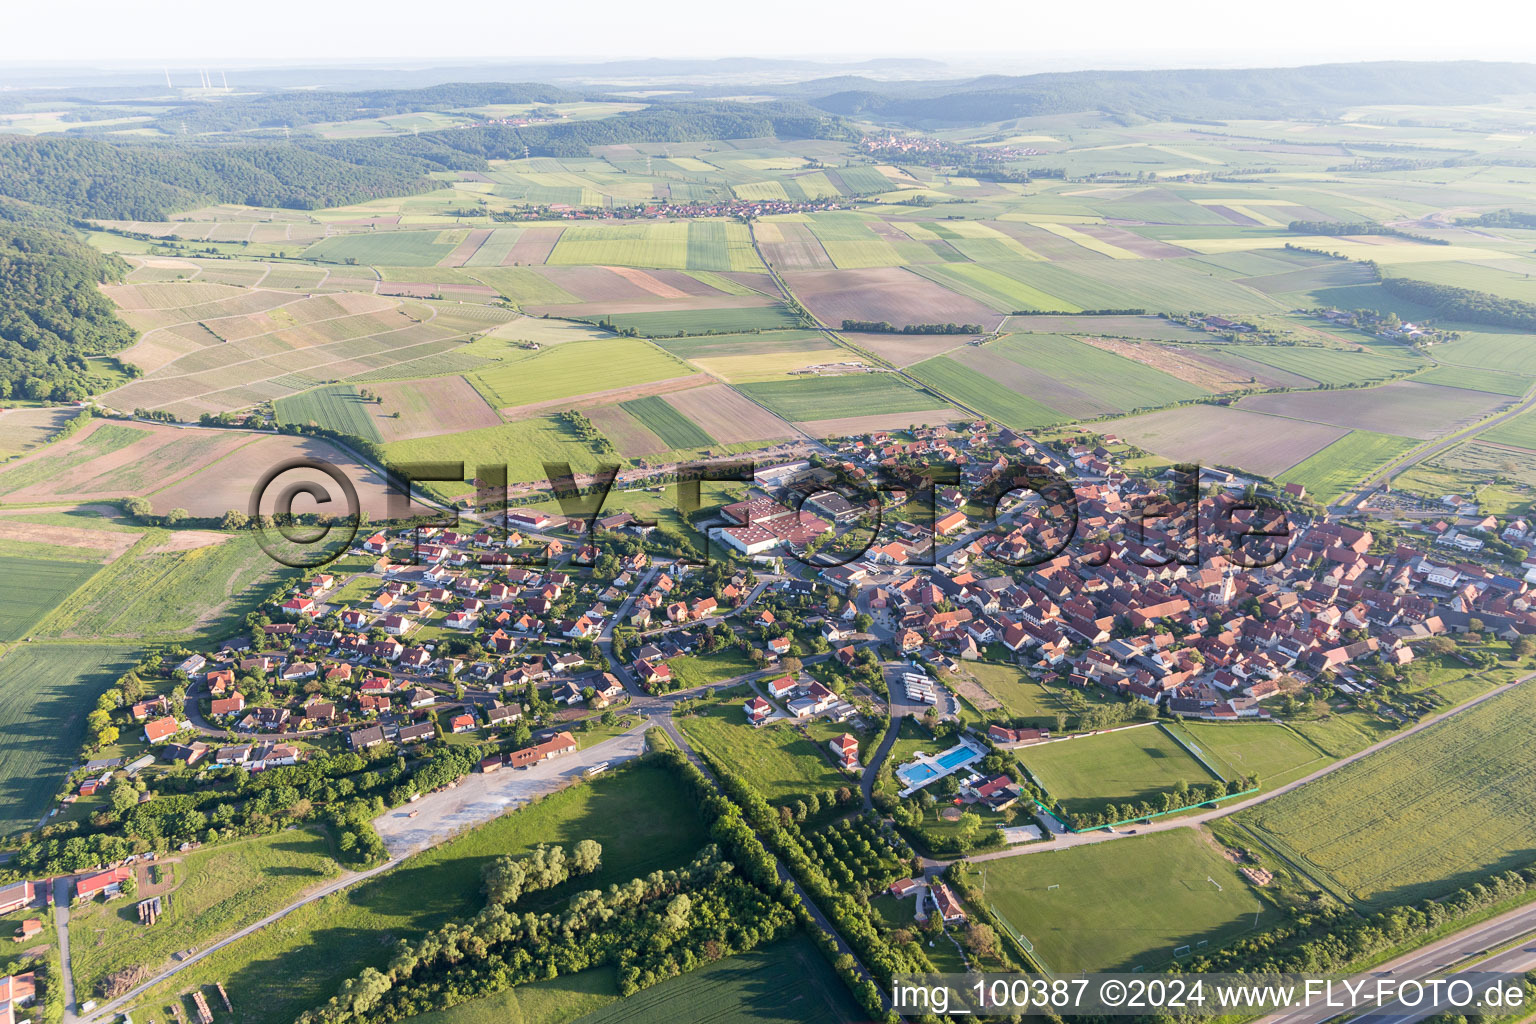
x=921, y=773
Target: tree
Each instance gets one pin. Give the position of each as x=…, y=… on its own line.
x=122, y=797
x=677, y=912
x=175, y=516
x=234, y=519
x=981, y=939
x=139, y=508
x=587, y=857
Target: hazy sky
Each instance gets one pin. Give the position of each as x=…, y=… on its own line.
x=1115, y=32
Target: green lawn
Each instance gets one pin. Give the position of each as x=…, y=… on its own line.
x=748, y=986
x=1023, y=697
x=45, y=692
x=1127, y=904
x=638, y=814
x=691, y=670
x=1124, y=766
x=775, y=759
x=1268, y=750
x=218, y=890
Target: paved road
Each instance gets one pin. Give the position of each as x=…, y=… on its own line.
x=1088, y=838
x=1439, y=958
x=63, y=890
x=478, y=798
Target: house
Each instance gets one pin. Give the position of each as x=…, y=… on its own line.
x=366, y=737
x=299, y=606
x=846, y=749
x=16, y=991
x=558, y=745
x=416, y=732
x=946, y=903
x=504, y=714
x=30, y=929
x=107, y=883
x=608, y=690
x=567, y=693
x=952, y=523
x=461, y=723
x=903, y=887
x=757, y=710
x=160, y=729
x=230, y=705
x=999, y=793
x=782, y=687
x=395, y=625
x=421, y=698
x=780, y=645
x=462, y=620
x=17, y=896
x=1005, y=736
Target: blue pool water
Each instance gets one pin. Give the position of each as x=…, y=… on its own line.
x=955, y=757
x=915, y=774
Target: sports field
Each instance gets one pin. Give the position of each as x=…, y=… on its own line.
x=1125, y=766
x=1427, y=815
x=1125, y=905
x=1268, y=750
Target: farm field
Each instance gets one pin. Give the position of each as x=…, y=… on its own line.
x=1473, y=379
x=523, y=446
x=1519, y=431
x=35, y=586
x=276, y=973
x=22, y=430
x=728, y=416
x=1332, y=366
x=338, y=407
x=1429, y=814
x=1111, y=383
x=1405, y=408
x=215, y=891
x=854, y=394
x=1331, y=472
x=983, y=393
x=1489, y=349
x=702, y=321
x=575, y=369
x=170, y=583
x=666, y=422
x=1223, y=436
x=442, y=405
x=1125, y=766
x=780, y=763
x=1125, y=905
x=45, y=692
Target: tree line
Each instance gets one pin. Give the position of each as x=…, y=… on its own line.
x=1465, y=304
x=886, y=327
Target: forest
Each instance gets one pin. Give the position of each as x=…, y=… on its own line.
x=1464, y=304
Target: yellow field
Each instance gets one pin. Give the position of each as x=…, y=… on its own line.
x=768, y=365
x=1354, y=248
x=1087, y=241
x=760, y=190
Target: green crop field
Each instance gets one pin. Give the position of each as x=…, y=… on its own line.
x=336, y=407
x=1127, y=904
x=215, y=891
x=1493, y=381
x=1125, y=766
x=523, y=446
x=1519, y=431
x=34, y=587
x=856, y=394
x=1429, y=814
x=721, y=345
x=984, y=394
x=576, y=368
x=1120, y=383
x=45, y=692
x=382, y=248
x=675, y=429
x=995, y=286
x=703, y=321
x=169, y=593
x=664, y=245
x=1328, y=365
x=103, y=440
x=278, y=972
x=1268, y=750
x=1344, y=463
x=1506, y=351
x=776, y=759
